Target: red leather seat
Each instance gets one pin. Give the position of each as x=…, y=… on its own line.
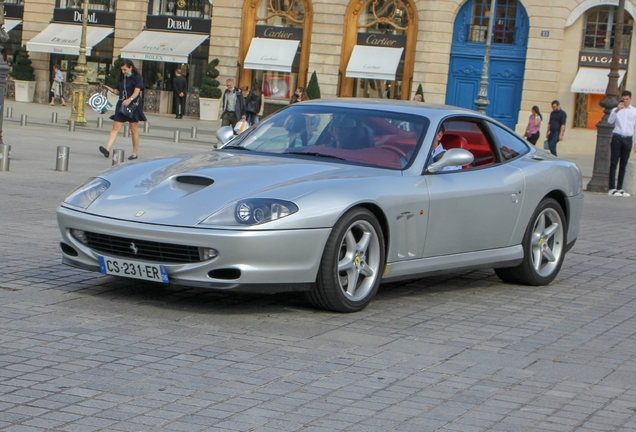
x=450, y=141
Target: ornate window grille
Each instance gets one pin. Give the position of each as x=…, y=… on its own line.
x=599, y=29
x=281, y=13
x=93, y=5
x=505, y=21
x=182, y=8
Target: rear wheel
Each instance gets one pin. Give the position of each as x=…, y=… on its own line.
x=543, y=247
x=351, y=265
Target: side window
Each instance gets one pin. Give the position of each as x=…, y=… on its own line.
x=509, y=145
x=468, y=134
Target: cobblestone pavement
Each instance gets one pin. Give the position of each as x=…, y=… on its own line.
x=464, y=352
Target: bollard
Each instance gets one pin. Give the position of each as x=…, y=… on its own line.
x=9, y=112
x=61, y=164
x=100, y=122
x=71, y=126
x=176, y=136
x=118, y=156
x=54, y=117
x=23, y=120
x=193, y=134
x=146, y=127
x=5, y=157
x=127, y=130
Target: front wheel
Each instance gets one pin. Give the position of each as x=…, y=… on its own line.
x=543, y=247
x=351, y=265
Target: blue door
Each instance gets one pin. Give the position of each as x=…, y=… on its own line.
x=507, y=58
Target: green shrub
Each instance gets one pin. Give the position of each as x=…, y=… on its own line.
x=22, y=69
x=313, y=90
x=113, y=74
x=420, y=91
x=210, y=86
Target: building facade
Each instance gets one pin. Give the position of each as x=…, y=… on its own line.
x=358, y=48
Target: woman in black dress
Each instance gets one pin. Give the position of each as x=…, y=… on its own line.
x=128, y=88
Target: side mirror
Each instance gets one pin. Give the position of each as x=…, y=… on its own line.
x=452, y=157
x=224, y=134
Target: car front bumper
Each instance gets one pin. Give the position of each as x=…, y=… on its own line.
x=267, y=261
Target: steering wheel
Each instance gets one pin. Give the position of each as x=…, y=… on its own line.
x=397, y=150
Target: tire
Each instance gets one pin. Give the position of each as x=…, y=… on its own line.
x=354, y=250
x=543, y=247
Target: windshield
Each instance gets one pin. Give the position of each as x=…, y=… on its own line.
x=369, y=137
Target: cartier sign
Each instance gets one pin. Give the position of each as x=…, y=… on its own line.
x=601, y=59
x=271, y=32
x=382, y=40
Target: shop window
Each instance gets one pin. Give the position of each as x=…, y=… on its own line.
x=15, y=2
x=388, y=17
x=93, y=5
x=182, y=8
x=599, y=30
x=98, y=64
x=504, y=25
x=160, y=75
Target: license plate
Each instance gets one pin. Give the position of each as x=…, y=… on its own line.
x=133, y=269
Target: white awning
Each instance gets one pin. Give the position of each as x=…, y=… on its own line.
x=593, y=80
x=66, y=39
x=374, y=62
x=163, y=46
x=271, y=54
x=10, y=24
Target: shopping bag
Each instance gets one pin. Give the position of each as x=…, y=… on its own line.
x=241, y=125
x=99, y=103
x=546, y=145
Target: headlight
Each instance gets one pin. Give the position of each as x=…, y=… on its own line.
x=252, y=212
x=88, y=192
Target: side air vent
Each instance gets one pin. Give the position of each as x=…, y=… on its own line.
x=195, y=180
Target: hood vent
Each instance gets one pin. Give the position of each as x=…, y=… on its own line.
x=194, y=180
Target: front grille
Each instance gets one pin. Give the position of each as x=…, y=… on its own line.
x=145, y=250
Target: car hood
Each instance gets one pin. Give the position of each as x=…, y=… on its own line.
x=185, y=190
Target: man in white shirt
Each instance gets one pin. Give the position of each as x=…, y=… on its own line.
x=623, y=117
x=438, y=150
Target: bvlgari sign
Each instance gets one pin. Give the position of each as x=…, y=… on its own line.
x=601, y=59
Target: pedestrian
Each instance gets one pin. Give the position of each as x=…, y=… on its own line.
x=57, y=89
x=417, y=97
x=623, y=117
x=129, y=86
x=180, y=88
x=534, y=125
x=254, y=104
x=233, y=104
x=299, y=95
x=556, y=126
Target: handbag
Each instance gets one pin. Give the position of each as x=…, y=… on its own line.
x=546, y=146
x=241, y=125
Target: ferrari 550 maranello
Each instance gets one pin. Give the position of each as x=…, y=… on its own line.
x=332, y=197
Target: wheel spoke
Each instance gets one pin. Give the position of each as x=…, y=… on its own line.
x=367, y=271
x=363, y=244
x=540, y=224
x=536, y=258
x=547, y=253
x=549, y=231
x=353, y=281
x=536, y=238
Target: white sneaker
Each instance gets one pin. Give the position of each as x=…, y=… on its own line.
x=623, y=193
x=614, y=192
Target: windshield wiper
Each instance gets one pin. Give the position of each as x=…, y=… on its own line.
x=315, y=154
x=235, y=147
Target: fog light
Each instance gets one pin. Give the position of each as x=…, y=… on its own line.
x=208, y=253
x=80, y=235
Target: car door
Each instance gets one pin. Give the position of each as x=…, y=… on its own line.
x=475, y=208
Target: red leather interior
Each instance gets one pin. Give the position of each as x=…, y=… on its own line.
x=474, y=142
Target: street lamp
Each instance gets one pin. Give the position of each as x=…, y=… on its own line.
x=600, y=173
x=4, y=67
x=482, y=99
x=80, y=86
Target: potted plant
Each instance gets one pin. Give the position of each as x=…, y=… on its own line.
x=112, y=80
x=24, y=77
x=210, y=94
x=313, y=90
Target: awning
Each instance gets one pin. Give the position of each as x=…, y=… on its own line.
x=374, y=62
x=163, y=46
x=10, y=24
x=271, y=54
x=66, y=39
x=593, y=80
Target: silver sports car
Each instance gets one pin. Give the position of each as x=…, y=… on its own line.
x=332, y=197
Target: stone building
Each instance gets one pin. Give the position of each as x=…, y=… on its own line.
x=358, y=48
